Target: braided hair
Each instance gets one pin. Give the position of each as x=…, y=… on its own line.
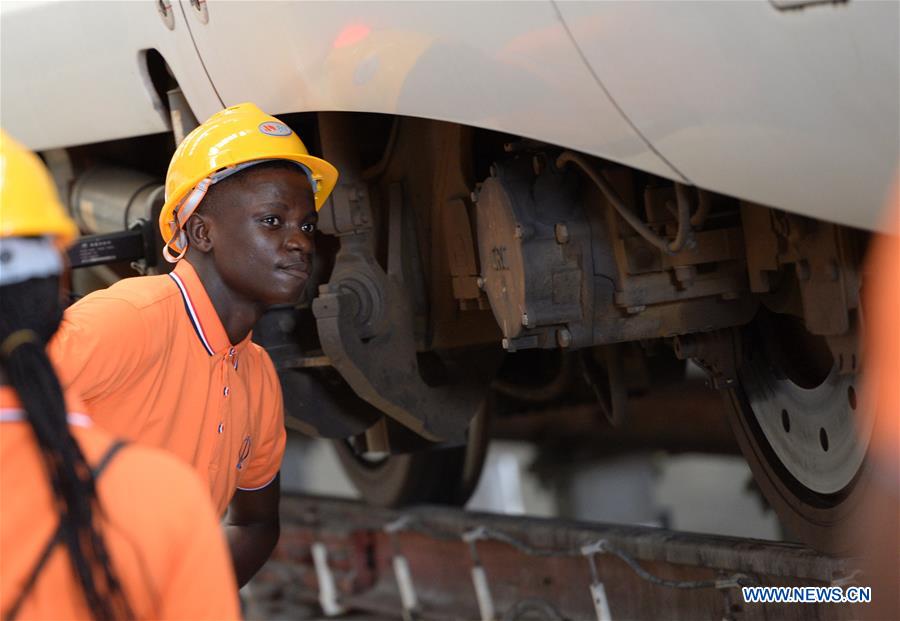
x=34, y=305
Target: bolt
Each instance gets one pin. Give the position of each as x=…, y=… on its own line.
x=523, y=231
x=473, y=196
x=480, y=282
x=802, y=269
x=563, y=338
x=634, y=310
x=782, y=225
x=562, y=233
x=537, y=165
x=685, y=274
x=525, y=319
x=507, y=344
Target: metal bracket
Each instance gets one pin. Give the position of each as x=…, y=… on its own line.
x=717, y=353
x=366, y=328
x=136, y=244
x=607, y=381
x=316, y=402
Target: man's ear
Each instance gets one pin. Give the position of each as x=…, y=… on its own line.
x=197, y=230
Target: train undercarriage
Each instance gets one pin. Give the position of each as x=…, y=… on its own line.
x=460, y=270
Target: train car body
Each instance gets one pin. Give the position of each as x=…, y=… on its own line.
x=585, y=183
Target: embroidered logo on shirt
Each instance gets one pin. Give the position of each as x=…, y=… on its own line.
x=244, y=453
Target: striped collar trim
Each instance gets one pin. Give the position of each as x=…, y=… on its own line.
x=192, y=313
x=200, y=310
x=76, y=419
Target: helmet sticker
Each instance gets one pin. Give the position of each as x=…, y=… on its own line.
x=274, y=128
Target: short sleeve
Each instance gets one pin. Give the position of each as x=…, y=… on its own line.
x=98, y=346
x=268, y=449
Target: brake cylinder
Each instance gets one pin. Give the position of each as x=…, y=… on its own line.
x=108, y=199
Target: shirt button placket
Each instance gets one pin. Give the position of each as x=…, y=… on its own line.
x=230, y=355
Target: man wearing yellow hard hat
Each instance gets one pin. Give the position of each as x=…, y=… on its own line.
x=91, y=527
x=168, y=360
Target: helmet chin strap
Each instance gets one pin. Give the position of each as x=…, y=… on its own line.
x=182, y=213
x=188, y=206
x=167, y=252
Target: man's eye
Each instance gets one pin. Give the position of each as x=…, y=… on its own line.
x=272, y=220
x=308, y=228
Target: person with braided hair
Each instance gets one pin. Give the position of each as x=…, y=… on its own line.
x=90, y=527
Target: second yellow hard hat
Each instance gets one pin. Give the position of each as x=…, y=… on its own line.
x=29, y=205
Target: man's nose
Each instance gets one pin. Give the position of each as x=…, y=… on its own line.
x=297, y=240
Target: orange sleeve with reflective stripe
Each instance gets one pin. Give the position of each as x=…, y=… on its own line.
x=164, y=539
x=99, y=346
x=265, y=460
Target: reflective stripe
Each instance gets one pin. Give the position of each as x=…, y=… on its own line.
x=192, y=314
x=28, y=257
x=76, y=419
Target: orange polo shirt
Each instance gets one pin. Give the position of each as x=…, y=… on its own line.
x=153, y=362
x=161, y=532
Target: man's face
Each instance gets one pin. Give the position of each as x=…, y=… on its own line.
x=262, y=233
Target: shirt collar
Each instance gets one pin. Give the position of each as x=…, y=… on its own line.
x=201, y=312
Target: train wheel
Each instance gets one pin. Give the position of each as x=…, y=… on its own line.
x=802, y=428
x=434, y=476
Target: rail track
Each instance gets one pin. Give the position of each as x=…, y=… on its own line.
x=439, y=563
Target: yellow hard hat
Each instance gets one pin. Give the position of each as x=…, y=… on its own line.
x=227, y=142
x=29, y=205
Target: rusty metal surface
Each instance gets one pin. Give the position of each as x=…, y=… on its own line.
x=827, y=272
x=368, y=313
x=535, y=559
x=562, y=268
x=679, y=417
x=433, y=162
x=535, y=248
x=823, y=257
